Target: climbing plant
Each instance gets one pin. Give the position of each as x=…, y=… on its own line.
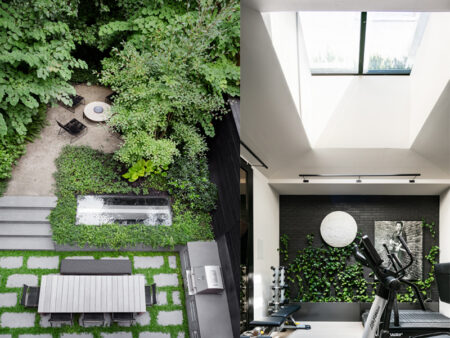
x=327, y=274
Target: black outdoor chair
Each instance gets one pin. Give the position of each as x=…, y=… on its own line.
x=75, y=100
x=150, y=294
x=124, y=318
x=110, y=98
x=93, y=319
x=30, y=296
x=60, y=319
x=73, y=127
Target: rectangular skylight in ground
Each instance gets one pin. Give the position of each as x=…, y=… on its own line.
x=391, y=41
x=361, y=43
x=124, y=210
x=331, y=40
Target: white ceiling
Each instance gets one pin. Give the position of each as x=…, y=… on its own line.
x=330, y=187
x=272, y=128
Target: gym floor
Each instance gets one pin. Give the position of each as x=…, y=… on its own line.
x=326, y=330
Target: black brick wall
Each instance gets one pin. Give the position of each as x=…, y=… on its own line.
x=302, y=215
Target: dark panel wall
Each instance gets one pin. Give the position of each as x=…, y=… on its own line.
x=302, y=215
x=224, y=164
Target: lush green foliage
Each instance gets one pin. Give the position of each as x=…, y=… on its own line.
x=143, y=168
x=35, y=65
x=327, y=274
x=35, y=60
x=82, y=170
x=173, y=330
x=189, y=180
x=170, y=76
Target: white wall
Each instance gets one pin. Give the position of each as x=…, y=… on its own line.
x=266, y=227
x=431, y=70
x=269, y=116
x=444, y=239
x=282, y=27
x=361, y=111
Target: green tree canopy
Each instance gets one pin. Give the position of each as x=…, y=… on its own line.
x=171, y=74
x=35, y=60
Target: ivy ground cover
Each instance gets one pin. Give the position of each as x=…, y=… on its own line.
x=82, y=170
x=167, y=319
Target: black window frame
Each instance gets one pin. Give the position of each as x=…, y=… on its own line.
x=362, y=47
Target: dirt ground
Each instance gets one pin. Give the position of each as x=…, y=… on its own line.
x=33, y=174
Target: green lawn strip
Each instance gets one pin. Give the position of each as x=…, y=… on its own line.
x=96, y=331
x=84, y=171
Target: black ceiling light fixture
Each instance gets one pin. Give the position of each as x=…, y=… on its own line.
x=358, y=176
x=413, y=180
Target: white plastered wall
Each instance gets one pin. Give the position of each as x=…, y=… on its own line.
x=431, y=70
x=444, y=239
x=282, y=27
x=361, y=111
x=266, y=233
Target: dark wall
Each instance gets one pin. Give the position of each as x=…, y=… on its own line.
x=302, y=215
x=224, y=164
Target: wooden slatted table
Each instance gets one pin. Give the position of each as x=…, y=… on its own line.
x=92, y=294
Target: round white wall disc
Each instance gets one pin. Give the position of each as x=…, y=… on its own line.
x=338, y=229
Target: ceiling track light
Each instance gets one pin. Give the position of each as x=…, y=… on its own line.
x=358, y=176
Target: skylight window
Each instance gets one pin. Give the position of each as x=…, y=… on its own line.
x=356, y=43
x=331, y=50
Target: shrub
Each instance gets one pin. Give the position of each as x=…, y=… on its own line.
x=189, y=180
x=170, y=75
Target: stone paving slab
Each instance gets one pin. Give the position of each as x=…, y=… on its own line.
x=176, y=298
x=42, y=335
x=51, y=262
x=77, y=335
x=80, y=257
x=120, y=257
x=172, y=262
x=18, y=280
x=43, y=321
x=143, y=319
x=170, y=317
x=12, y=262
x=8, y=299
x=17, y=319
x=117, y=335
x=161, y=298
x=145, y=262
x=166, y=279
x=180, y=335
x=5, y=336
x=154, y=335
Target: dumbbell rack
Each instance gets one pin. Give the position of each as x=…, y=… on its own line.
x=244, y=298
x=279, y=287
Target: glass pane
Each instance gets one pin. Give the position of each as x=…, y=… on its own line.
x=331, y=41
x=391, y=41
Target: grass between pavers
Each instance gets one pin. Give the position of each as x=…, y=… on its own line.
x=96, y=331
x=83, y=171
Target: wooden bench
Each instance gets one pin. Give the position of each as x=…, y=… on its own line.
x=96, y=267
